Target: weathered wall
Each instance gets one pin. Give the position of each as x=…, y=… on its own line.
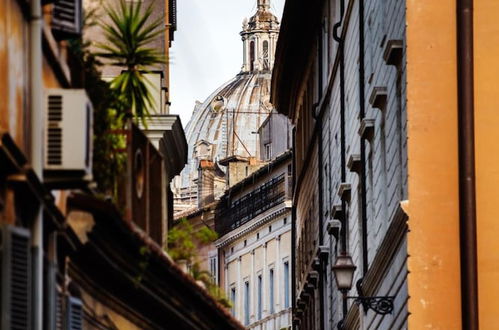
x=433, y=238
x=14, y=72
x=486, y=43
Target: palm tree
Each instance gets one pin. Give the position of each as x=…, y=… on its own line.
x=128, y=34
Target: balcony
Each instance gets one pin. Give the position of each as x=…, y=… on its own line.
x=232, y=215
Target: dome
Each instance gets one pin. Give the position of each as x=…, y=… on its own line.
x=225, y=125
x=228, y=120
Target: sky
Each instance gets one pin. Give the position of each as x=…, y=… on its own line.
x=207, y=49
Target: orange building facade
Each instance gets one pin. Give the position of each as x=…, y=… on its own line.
x=419, y=81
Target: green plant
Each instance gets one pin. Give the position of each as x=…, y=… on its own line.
x=183, y=243
x=108, y=162
x=128, y=33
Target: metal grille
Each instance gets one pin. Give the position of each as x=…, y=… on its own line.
x=55, y=108
x=54, y=146
x=251, y=205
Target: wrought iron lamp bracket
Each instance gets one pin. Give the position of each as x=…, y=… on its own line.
x=380, y=305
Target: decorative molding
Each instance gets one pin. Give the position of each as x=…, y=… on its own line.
x=366, y=130
x=353, y=163
x=378, y=97
x=337, y=212
x=386, y=251
x=344, y=191
x=313, y=278
x=250, y=226
x=333, y=227
x=322, y=252
x=393, y=52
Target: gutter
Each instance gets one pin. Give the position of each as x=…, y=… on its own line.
x=362, y=112
x=467, y=187
x=36, y=159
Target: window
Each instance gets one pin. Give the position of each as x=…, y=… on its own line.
x=271, y=291
x=246, y=303
x=266, y=64
x=286, y=284
x=245, y=243
x=257, y=236
x=268, y=151
x=259, y=297
x=214, y=269
x=285, y=221
x=270, y=229
x=232, y=250
x=252, y=55
x=233, y=299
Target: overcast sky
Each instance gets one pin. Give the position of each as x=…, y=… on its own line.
x=207, y=50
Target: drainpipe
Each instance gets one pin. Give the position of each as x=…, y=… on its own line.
x=37, y=125
x=341, y=50
x=318, y=127
x=467, y=193
x=362, y=114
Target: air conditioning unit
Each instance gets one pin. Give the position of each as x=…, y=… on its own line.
x=68, y=135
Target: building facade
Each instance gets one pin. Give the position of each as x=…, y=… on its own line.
x=391, y=102
x=351, y=158
x=70, y=259
x=253, y=220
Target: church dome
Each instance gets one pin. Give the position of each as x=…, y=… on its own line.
x=226, y=123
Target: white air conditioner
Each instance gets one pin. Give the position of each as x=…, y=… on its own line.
x=68, y=134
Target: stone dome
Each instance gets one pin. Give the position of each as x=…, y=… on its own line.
x=228, y=120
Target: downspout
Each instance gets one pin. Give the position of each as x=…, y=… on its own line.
x=318, y=127
x=339, y=39
x=37, y=125
x=362, y=114
x=467, y=192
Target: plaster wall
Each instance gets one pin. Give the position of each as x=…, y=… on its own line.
x=486, y=52
x=433, y=238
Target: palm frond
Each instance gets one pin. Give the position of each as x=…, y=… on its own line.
x=128, y=34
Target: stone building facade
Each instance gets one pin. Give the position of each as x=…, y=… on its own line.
x=394, y=117
x=253, y=220
x=346, y=98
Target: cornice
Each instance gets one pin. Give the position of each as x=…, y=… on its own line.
x=252, y=225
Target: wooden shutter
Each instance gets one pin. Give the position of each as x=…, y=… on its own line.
x=15, y=273
x=67, y=19
x=74, y=320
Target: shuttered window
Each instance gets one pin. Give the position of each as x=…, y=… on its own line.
x=67, y=19
x=74, y=314
x=15, y=278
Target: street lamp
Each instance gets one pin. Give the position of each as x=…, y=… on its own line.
x=343, y=270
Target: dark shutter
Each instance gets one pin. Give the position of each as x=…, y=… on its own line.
x=15, y=282
x=59, y=311
x=74, y=314
x=67, y=19
x=172, y=13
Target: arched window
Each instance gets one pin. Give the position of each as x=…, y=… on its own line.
x=252, y=54
x=266, y=65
